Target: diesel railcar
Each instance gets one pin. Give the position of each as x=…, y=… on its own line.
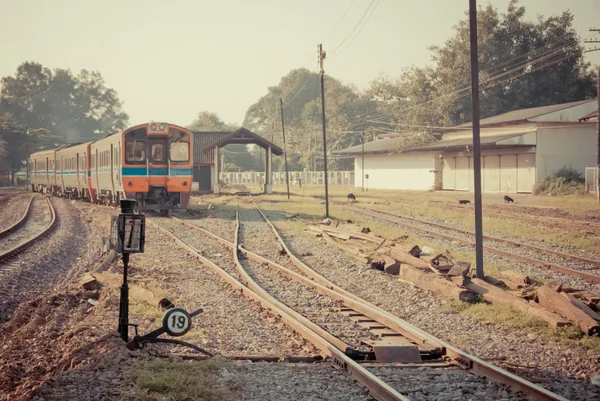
x=151, y=163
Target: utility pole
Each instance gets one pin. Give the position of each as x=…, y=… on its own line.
x=322, y=56
x=287, y=178
x=476, y=139
x=362, y=139
x=597, y=123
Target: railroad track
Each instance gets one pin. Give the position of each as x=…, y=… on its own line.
x=21, y=235
x=546, y=221
x=363, y=312
x=397, y=219
x=18, y=224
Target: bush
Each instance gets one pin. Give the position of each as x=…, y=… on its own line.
x=566, y=181
x=570, y=175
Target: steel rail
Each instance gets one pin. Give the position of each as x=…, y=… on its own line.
x=329, y=289
x=536, y=262
x=20, y=223
x=21, y=247
x=461, y=358
x=378, y=389
x=496, y=239
x=552, y=222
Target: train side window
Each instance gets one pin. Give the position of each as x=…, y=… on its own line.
x=135, y=151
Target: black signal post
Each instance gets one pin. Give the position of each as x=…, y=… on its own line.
x=127, y=237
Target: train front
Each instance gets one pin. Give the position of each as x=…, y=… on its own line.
x=157, y=167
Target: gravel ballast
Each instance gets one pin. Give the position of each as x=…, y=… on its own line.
x=561, y=369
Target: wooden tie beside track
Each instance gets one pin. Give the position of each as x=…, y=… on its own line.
x=536, y=262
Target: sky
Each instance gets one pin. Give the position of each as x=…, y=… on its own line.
x=169, y=60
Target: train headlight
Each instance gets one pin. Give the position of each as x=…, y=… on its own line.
x=153, y=127
x=130, y=184
x=184, y=183
x=162, y=127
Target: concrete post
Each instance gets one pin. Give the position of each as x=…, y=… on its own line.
x=268, y=172
x=217, y=160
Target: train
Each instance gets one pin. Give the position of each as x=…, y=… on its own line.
x=151, y=163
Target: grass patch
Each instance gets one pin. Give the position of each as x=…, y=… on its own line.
x=167, y=380
x=509, y=317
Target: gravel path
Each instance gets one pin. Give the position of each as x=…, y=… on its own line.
x=317, y=382
x=534, y=272
x=65, y=253
x=561, y=369
x=12, y=208
x=230, y=324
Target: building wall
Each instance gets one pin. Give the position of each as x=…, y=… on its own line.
x=503, y=170
x=563, y=146
x=409, y=171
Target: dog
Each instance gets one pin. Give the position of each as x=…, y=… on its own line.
x=464, y=202
x=508, y=199
x=351, y=197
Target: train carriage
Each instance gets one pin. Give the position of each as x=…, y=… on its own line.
x=72, y=171
x=42, y=170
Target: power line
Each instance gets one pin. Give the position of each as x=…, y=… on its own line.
x=340, y=21
x=354, y=28
x=466, y=89
x=361, y=28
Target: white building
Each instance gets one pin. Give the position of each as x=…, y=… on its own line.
x=518, y=149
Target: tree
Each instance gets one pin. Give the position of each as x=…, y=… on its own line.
x=300, y=92
x=522, y=64
x=208, y=121
x=14, y=145
x=74, y=108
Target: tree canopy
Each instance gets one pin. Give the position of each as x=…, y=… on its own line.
x=74, y=108
x=522, y=64
x=300, y=91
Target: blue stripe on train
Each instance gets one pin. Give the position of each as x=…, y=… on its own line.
x=156, y=171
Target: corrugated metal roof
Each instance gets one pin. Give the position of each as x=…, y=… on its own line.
x=203, y=140
x=592, y=116
x=390, y=145
x=245, y=136
x=486, y=141
x=524, y=114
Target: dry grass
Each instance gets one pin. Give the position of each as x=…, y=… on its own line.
x=512, y=318
x=167, y=380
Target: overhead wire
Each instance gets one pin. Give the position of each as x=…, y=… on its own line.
x=361, y=28
x=467, y=89
x=354, y=28
x=340, y=21
x=466, y=94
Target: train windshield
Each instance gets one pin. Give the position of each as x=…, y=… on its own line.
x=179, y=146
x=136, y=151
x=180, y=151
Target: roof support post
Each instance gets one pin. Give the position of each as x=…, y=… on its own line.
x=216, y=170
x=268, y=172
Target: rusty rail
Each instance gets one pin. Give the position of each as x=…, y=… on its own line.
x=536, y=262
x=251, y=290
x=553, y=222
x=20, y=248
x=459, y=357
x=18, y=224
